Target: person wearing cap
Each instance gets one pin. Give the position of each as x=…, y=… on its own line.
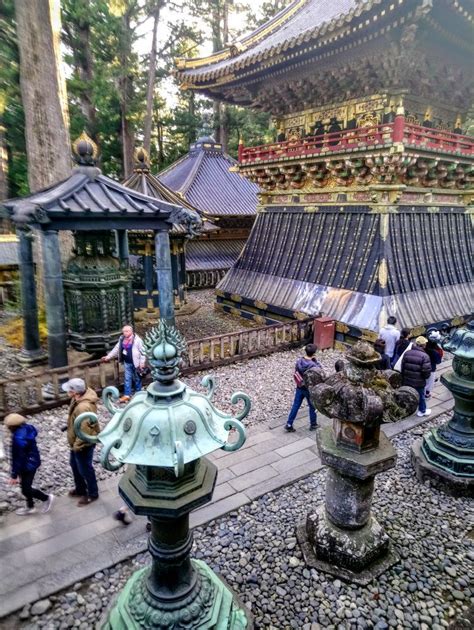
x=435, y=353
x=390, y=335
x=129, y=350
x=25, y=461
x=83, y=399
x=416, y=369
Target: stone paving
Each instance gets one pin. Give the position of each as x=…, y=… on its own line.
x=42, y=554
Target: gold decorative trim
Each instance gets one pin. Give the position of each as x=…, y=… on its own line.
x=8, y=238
x=261, y=305
x=240, y=46
x=236, y=298
x=299, y=315
x=368, y=335
x=384, y=226
x=457, y=321
x=85, y=138
x=259, y=320
x=342, y=328
x=417, y=331
x=383, y=273
x=311, y=209
x=235, y=311
x=219, y=292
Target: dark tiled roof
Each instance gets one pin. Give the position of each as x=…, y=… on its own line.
x=300, y=21
x=215, y=254
x=148, y=184
x=305, y=22
x=202, y=176
x=87, y=194
x=331, y=262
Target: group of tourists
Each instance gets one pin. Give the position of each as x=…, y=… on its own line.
x=416, y=360
x=25, y=456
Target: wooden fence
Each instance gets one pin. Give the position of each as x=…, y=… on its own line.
x=37, y=391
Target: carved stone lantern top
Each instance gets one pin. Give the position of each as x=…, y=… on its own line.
x=359, y=398
x=168, y=425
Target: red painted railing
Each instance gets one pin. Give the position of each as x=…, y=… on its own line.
x=358, y=139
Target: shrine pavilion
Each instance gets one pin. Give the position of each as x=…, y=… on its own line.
x=206, y=178
x=142, y=251
x=367, y=192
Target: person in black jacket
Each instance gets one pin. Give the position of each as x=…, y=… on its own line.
x=401, y=345
x=384, y=362
x=416, y=369
x=25, y=461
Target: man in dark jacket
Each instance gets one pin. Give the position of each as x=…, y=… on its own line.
x=25, y=461
x=416, y=369
x=83, y=399
x=302, y=392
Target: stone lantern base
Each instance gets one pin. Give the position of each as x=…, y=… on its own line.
x=431, y=460
x=214, y=606
x=357, y=555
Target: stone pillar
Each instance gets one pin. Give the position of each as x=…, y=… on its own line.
x=122, y=245
x=175, y=275
x=54, y=299
x=31, y=352
x=164, y=276
x=148, y=273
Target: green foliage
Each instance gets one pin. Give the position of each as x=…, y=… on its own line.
x=11, y=111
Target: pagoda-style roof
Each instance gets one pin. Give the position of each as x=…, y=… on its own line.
x=316, y=52
x=143, y=181
x=88, y=200
x=203, y=255
x=205, y=178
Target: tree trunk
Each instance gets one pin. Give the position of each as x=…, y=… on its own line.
x=151, y=84
x=43, y=92
x=192, y=136
x=127, y=133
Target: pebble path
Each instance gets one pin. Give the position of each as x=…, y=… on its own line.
x=255, y=550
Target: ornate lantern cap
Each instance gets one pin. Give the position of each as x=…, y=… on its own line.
x=168, y=425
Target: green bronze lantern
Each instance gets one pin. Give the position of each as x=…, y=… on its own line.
x=163, y=435
x=445, y=455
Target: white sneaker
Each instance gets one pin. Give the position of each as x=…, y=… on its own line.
x=24, y=511
x=420, y=414
x=427, y=412
x=48, y=504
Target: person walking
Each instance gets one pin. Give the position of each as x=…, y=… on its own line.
x=384, y=362
x=416, y=369
x=129, y=350
x=390, y=335
x=25, y=461
x=401, y=345
x=435, y=353
x=83, y=399
x=302, y=392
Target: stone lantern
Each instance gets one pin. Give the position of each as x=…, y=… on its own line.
x=445, y=455
x=343, y=537
x=163, y=435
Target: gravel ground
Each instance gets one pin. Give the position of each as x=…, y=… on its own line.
x=206, y=321
x=268, y=381
x=255, y=550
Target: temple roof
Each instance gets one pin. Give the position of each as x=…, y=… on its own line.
x=88, y=200
x=204, y=179
x=143, y=181
x=348, y=32
x=203, y=255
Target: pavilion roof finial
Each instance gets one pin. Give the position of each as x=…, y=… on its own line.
x=85, y=150
x=142, y=160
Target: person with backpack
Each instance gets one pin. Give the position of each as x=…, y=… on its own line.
x=401, y=345
x=302, y=392
x=435, y=353
x=25, y=461
x=130, y=351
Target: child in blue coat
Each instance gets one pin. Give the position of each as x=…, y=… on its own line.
x=25, y=461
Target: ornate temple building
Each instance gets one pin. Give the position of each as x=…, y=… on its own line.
x=366, y=193
x=206, y=178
